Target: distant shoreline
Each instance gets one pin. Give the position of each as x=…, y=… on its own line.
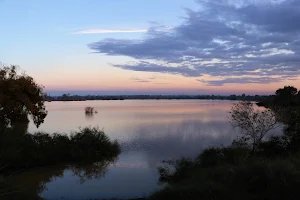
x=66, y=97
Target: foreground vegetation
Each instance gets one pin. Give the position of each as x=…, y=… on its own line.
x=253, y=167
x=229, y=173
x=25, y=150
x=87, y=152
x=22, y=98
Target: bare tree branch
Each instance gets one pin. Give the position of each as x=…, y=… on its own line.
x=253, y=124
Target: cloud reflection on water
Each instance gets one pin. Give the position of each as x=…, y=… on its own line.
x=158, y=142
x=149, y=132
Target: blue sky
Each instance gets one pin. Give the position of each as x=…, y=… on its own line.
x=63, y=44
x=32, y=26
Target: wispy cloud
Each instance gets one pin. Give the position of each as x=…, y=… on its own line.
x=148, y=80
x=105, y=31
x=140, y=80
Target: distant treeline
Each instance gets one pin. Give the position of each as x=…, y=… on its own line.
x=68, y=97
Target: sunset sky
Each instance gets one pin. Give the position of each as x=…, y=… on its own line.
x=154, y=46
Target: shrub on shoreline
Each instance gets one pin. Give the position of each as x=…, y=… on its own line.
x=219, y=173
x=24, y=150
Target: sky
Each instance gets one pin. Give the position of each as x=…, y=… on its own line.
x=153, y=46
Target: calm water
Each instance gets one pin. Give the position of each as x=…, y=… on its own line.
x=149, y=131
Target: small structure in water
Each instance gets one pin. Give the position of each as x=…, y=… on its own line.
x=89, y=110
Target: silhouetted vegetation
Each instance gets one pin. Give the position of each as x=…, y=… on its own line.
x=252, y=124
x=20, y=98
x=253, y=167
x=25, y=150
x=288, y=96
x=270, y=171
x=89, y=110
x=233, y=175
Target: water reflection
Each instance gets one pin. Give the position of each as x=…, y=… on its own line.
x=121, y=118
x=168, y=141
x=148, y=131
x=88, y=172
x=33, y=182
x=89, y=116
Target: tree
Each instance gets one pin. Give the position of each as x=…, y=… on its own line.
x=286, y=91
x=20, y=97
x=286, y=96
x=253, y=124
x=65, y=97
x=243, y=96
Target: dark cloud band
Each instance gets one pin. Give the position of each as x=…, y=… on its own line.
x=224, y=38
